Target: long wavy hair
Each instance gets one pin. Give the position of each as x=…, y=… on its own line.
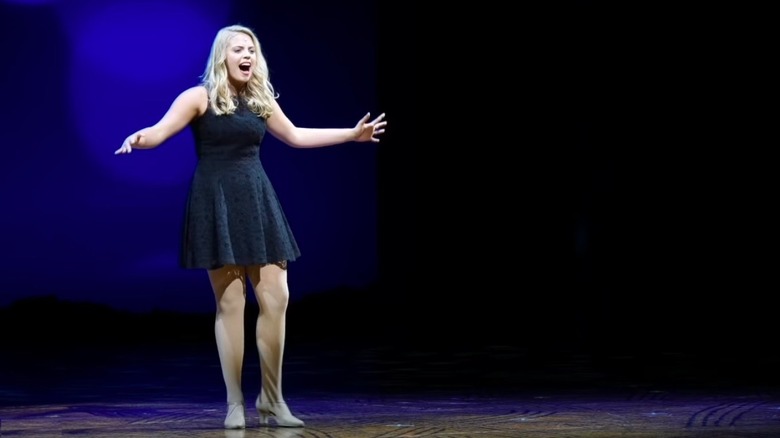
x=258, y=94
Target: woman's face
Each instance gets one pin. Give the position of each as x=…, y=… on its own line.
x=241, y=59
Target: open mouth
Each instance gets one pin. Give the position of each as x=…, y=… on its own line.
x=245, y=67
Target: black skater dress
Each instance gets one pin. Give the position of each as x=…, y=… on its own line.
x=233, y=216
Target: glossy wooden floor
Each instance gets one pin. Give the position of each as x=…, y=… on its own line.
x=544, y=415
x=95, y=380
x=176, y=391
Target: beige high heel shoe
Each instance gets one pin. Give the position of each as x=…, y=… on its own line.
x=235, y=418
x=276, y=414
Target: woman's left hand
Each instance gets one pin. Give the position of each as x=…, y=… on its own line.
x=368, y=131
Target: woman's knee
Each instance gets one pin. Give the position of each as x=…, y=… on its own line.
x=270, y=285
x=229, y=288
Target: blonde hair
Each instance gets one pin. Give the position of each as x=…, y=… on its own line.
x=259, y=94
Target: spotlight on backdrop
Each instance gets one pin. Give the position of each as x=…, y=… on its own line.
x=130, y=60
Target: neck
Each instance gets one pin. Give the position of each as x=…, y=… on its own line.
x=236, y=91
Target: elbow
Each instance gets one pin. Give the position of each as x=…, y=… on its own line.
x=292, y=140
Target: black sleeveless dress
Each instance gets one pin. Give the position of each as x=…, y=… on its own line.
x=233, y=216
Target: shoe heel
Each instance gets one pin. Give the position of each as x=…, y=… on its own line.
x=277, y=414
x=264, y=418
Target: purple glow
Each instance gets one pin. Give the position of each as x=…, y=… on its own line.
x=136, y=63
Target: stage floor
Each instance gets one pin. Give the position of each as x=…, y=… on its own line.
x=365, y=415
x=353, y=391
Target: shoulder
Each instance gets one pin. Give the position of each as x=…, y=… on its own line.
x=195, y=97
x=198, y=92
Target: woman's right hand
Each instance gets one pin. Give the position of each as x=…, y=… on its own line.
x=130, y=141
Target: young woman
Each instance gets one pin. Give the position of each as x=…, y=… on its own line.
x=234, y=226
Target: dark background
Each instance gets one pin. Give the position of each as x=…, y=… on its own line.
x=561, y=184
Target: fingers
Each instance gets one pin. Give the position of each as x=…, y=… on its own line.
x=127, y=146
x=378, y=119
x=373, y=122
x=378, y=127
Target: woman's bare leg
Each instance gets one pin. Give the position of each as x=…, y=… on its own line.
x=270, y=285
x=230, y=293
